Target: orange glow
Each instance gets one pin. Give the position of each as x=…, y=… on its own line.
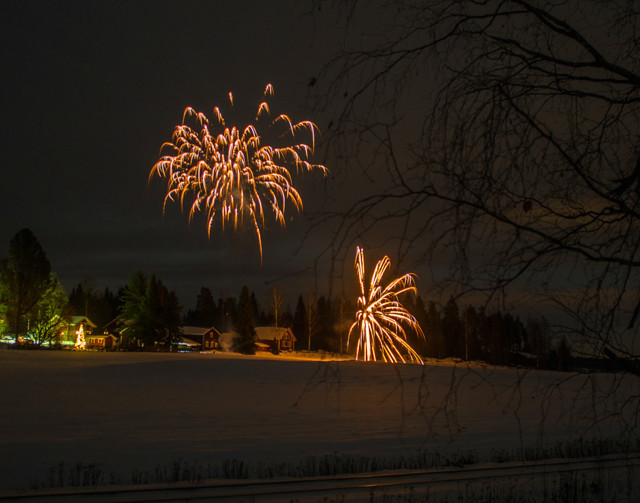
x=230, y=175
x=381, y=316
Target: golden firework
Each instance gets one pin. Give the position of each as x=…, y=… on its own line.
x=381, y=318
x=228, y=173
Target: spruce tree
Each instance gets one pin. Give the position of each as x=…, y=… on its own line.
x=245, y=324
x=299, y=321
x=206, y=310
x=149, y=312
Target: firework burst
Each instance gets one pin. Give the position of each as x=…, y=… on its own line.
x=381, y=318
x=228, y=174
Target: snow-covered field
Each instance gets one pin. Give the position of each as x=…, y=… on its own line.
x=131, y=413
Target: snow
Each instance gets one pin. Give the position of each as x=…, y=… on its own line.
x=133, y=412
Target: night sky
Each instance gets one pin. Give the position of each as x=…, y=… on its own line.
x=90, y=91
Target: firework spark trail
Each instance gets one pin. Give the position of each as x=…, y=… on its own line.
x=230, y=175
x=381, y=316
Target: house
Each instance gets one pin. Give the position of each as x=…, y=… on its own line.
x=70, y=326
x=277, y=338
x=208, y=338
x=105, y=341
x=114, y=327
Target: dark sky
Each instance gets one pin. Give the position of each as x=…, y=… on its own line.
x=90, y=90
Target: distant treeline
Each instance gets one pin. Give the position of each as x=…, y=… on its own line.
x=321, y=323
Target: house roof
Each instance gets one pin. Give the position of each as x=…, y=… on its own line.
x=198, y=331
x=189, y=342
x=76, y=320
x=273, y=333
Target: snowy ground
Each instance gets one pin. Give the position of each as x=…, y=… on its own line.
x=133, y=412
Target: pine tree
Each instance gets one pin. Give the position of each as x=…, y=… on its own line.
x=206, y=311
x=451, y=329
x=149, y=312
x=436, y=346
x=226, y=313
x=99, y=307
x=470, y=333
x=132, y=309
x=299, y=324
x=245, y=324
x=312, y=320
x=166, y=319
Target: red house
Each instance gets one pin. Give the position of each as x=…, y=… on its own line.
x=105, y=341
x=209, y=338
x=277, y=338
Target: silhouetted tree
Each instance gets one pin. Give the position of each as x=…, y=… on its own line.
x=451, y=329
x=166, y=313
x=276, y=301
x=149, y=313
x=25, y=277
x=205, y=315
x=261, y=318
x=311, y=320
x=470, y=329
x=100, y=308
x=538, y=340
x=286, y=318
x=299, y=324
x=245, y=325
x=434, y=337
x=83, y=297
x=501, y=134
x=326, y=338
x=227, y=307
x=497, y=339
x=564, y=356
x=105, y=309
x=344, y=316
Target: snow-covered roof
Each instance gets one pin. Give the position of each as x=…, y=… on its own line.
x=189, y=342
x=273, y=333
x=76, y=320
x=197, y=331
